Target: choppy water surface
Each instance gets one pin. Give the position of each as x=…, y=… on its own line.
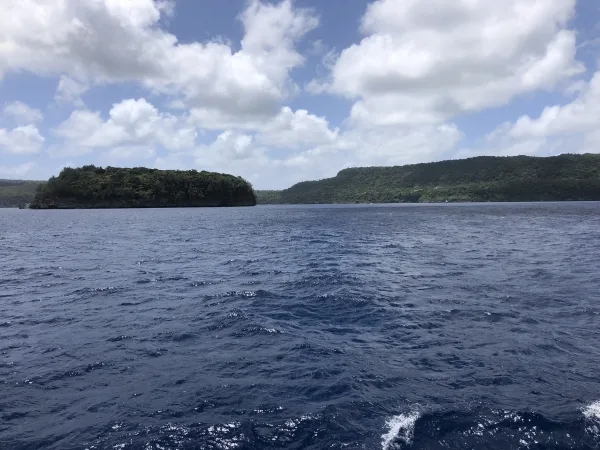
x=381, y=327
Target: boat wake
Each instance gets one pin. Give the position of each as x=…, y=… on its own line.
x=492, y=429
x=400, y=430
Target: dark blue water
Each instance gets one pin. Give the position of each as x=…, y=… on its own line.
x=448, y=326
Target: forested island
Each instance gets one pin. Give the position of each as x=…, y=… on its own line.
x=479, y=179
x=112, y=187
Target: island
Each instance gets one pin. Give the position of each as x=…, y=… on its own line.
x=478, y=179
x=139, y=187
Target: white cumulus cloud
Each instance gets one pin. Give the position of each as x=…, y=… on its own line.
x=228, y=146
x=23, y=114
x=581, y=115
x=132, y=124
x=570, y=127
x=427, y=61
x=109, y=41
x=22, y=140
x=297, y=129
x=70, y=91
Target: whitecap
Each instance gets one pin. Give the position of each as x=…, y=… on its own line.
x=400, y=427
x=592, y=415
x=592, y=411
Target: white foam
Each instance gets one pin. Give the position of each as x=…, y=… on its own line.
x=400, y=427
x=592, y=411
x=221, y=435
x=592, y=415
x=292, y=424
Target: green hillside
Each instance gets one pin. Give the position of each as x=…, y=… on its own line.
x=485, y=178
x=14, y=193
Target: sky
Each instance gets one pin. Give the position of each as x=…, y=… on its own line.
x=284, y=91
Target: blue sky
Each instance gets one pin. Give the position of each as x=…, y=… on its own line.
x=285, y=91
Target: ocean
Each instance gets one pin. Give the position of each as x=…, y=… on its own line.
x=472, y=326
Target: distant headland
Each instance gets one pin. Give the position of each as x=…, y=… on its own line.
x=112, y=187
x=17, y=193
x=479, y=179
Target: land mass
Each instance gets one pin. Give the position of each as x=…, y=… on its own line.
x=112, y=187
x=14, y=193
x=479, y=179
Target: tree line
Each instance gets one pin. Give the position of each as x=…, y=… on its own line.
x=478, y=179
x=113, y=187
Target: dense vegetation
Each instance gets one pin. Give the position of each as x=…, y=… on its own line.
x=14, y=193
x=485, y=178
x=269, y=197
x=96, y=187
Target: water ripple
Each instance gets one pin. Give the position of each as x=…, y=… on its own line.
x=382, y=327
